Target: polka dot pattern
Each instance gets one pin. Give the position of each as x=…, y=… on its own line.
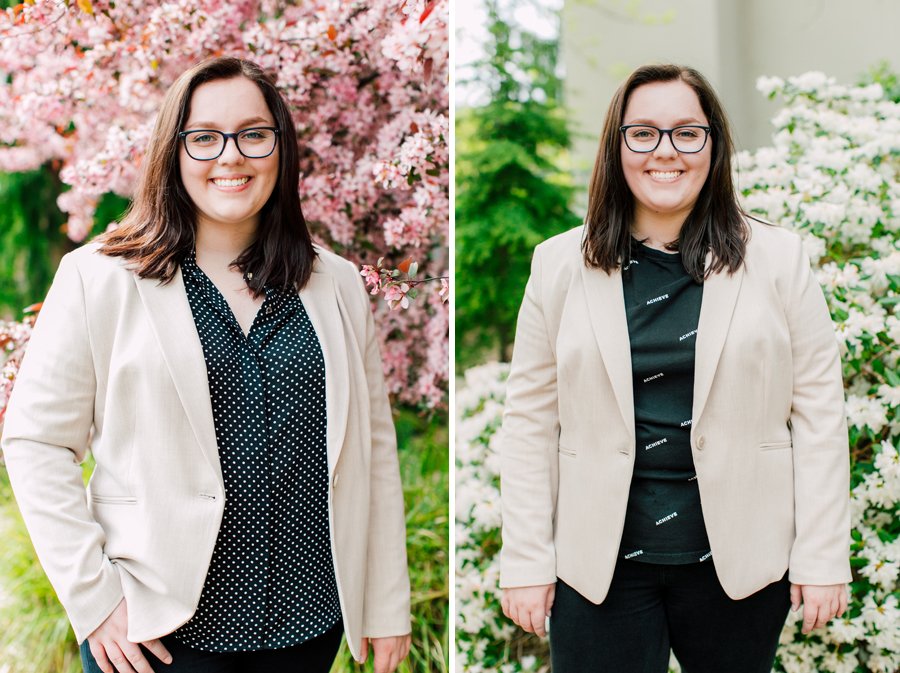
x=271, y=581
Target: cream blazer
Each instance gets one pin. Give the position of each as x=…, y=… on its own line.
x=768, y=438
x=115, y=364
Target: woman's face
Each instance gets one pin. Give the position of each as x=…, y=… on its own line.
x=664, y=181
x=232, y=189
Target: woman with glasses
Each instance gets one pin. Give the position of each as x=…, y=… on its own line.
x=675, y=468
x=245, y=509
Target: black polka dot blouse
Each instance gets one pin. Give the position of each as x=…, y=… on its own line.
x=271, y=581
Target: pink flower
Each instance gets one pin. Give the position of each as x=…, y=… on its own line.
x=395, y=296
x=372, y=278
x=367, y=83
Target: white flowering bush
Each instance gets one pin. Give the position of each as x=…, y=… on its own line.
x=833, y=175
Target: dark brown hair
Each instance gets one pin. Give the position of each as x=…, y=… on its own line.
x=160, y=225
x=716, y=222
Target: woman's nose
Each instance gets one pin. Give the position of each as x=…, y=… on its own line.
x=665, y=147
x=231, y=154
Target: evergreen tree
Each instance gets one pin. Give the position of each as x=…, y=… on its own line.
x=510, y=194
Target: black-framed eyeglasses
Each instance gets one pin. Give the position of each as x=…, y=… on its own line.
x=685, y=139
x=208, y=144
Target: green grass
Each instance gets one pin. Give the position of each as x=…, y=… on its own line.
x=35, y=636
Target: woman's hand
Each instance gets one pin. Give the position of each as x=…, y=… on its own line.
x=529, y=606
x=114, y=653
x=387, y=653
x=820, y=603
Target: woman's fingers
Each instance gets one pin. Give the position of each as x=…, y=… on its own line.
x=158, y=650
x=537, y=622
x=548, y=601
x=99, y=654
x=529, y=606
x=810, y=613
x=136, y=658
x=843, y=604
x=119, y=659
x=796, y=597
x=821, y=604
x=387, y=653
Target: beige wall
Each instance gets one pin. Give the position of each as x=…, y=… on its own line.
x=732, y=42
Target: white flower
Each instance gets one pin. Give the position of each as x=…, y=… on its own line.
x=809, y=82
x=845, y=662
x=769, y=85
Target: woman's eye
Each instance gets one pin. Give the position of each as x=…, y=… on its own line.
x=255, y=135
x=642, y=133
x=687, y=134
x=202, y=138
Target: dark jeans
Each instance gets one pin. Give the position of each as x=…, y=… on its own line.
x=652, y=608
x=313, y=656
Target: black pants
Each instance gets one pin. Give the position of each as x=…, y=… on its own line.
x=652, y=608
x=313, y=656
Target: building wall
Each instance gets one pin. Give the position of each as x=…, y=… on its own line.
x=732, y=42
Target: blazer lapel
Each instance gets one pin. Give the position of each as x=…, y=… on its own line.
x=173, y=325
x=319, y=298
x=720, y=292
x=606, y=308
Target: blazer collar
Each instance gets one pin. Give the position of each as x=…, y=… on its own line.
x=720, y=293
x=173, y=326
x=606, y=310
x=327, y=313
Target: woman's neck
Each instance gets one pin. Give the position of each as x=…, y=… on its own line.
x=657, y=230
x=219, y=244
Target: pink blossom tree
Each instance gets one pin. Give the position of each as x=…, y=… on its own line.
x=368, y=82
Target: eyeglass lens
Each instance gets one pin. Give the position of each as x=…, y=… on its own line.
x=252, y=143
x=685, y=139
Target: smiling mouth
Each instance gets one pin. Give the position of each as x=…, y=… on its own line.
x=664, y=175
x=230, y=182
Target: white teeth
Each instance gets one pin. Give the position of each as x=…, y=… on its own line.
x=665, y=175
x=232, y=182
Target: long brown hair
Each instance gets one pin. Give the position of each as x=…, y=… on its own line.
x=160, y=225
x=716, y=222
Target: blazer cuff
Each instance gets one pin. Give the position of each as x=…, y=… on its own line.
x=91, y=607
x=821, y=577
x=385, y=629
x=512, y=579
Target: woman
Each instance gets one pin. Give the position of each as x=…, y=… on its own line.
x=669, y=353
x=246, y=506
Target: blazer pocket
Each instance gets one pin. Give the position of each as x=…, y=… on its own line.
x=113, y=499
x=771, y=446
x=566, y=452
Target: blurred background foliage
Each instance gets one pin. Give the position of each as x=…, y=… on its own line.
x=512, y=191
x=33, y=236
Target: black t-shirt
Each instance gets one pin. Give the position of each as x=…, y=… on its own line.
x=664, y=522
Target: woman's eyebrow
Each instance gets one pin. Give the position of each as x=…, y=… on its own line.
x=678, y=122
x=214, y=125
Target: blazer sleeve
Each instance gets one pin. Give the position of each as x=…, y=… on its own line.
x=529, y=447
x=45, y=437
x=386, y=607
x=821, y=549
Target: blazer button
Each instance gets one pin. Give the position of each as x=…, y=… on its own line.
x=335, y=480
x=701, y=442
